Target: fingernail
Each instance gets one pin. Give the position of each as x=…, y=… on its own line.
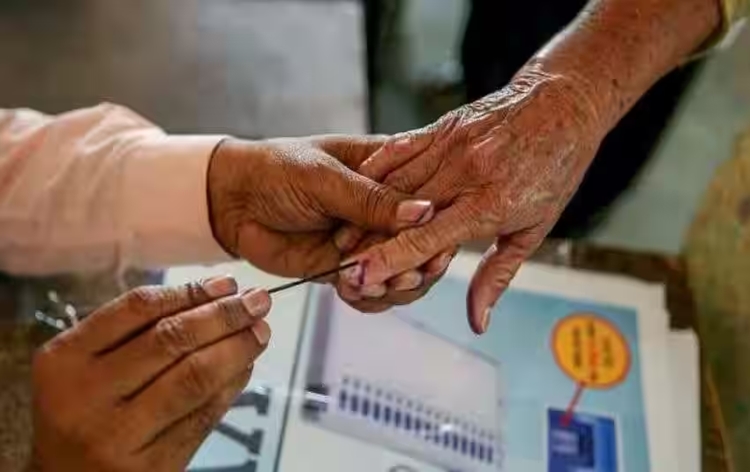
x=341, y=240
x=262, y=332
x=257, y=302
x=485, y=322
x=362, y=272
x=411, y=280
x=444, y=262
x=220, y=286
x=414, y=211
x=354, y=276
x=374, y=291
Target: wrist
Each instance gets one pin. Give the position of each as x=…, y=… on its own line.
x=567, y=96
x=224, y=215
x=617, y=49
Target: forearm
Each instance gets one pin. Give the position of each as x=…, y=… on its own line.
x=100, y=188
x=617, y=49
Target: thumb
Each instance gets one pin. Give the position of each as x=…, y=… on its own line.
x=494, y=273
x=371, y=205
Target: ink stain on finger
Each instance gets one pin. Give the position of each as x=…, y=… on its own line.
x=362, y=270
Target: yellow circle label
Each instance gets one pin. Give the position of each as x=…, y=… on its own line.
x=591, y=350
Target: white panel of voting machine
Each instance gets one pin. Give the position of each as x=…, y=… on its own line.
x=388, y=380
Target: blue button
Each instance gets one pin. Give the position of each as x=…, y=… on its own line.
x=365, y=407
x=387, y=414
x=481, y=452
x=397, y=418
x=342, y=399
x=473, y=449
x=376, y=411
x=407, y=421
x=354, y=403
x=465, y=445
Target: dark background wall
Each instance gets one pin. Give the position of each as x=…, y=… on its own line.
x=258, y=68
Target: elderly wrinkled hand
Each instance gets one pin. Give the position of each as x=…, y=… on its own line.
x=504, y=166
x=140, y=383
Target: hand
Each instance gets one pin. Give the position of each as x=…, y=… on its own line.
x=277, y=203
x=402, y=289
x=140, y=383
x=504, y=166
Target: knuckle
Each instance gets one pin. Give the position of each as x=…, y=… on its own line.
x=206, y=418
x=502, y=276
x=174, y=337
x=145, y=300
x=414, y=243
x=477, y=167
x=374, y=201
x=403, y=181
x=233, y=314
x=198, y=378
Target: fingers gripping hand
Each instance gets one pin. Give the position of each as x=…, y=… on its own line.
x=409, y=285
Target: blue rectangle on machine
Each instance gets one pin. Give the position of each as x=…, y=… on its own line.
x=581, y=443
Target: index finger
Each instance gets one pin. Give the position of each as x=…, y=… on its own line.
x=127, y=315
x=138, y=362
x=413, y=247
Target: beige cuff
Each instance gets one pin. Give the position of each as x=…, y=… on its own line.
x=733, y=18
x=165, y=204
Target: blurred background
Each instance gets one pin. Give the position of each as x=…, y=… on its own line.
x=279, y=68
